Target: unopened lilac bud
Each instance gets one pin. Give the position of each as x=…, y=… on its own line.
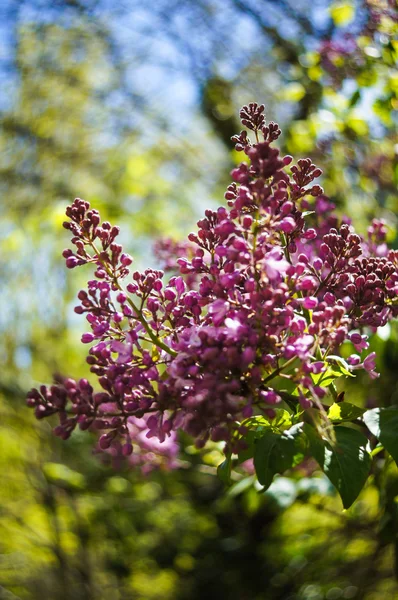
x=353, y=359
x=72, y=262
x=247, y=222
x=270, y=397
x=132, y=288
x=121, y=298
x=250, y=285
x=87, y=338
x=248, y=356
x=126, y=260
x=329, y=298
x=179, y=285
x=310, y=302
x=317, y=264
x=308, y=283
x=170, y=294
x=84, y=422
x=310, y=234
x=287, y=208
x=85, y=385
x=105, y=441
x=287, y=225
x=302, y=258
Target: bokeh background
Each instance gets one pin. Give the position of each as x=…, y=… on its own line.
x=131, y=105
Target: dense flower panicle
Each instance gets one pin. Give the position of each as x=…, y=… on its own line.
x=261, y=296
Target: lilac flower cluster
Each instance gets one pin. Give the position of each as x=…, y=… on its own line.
x=264, y=293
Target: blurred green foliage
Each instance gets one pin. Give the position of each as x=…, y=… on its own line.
x=133, y=111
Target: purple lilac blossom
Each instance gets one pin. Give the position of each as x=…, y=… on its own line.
x=260, y=292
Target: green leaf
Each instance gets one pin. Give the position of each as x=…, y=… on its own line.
x=341, y=365
x=326, y=377
x=277, y=452
x=224, y=471
x=257, y=425
x=346, y=464
x=355, y=98
x=281, y=384
x=344, y=411
x=282, y=419
x=262, y=455
x=383, y=423
x=248, y=452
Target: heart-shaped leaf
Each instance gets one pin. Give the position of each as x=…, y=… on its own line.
x=277, y=452
x=346, y=463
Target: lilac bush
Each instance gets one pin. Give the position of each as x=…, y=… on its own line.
x=241, y=344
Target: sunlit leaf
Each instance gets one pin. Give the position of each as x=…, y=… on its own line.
x=341, y=365
x=344, y=411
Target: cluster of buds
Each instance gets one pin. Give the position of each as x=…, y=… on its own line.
x=263, y=294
